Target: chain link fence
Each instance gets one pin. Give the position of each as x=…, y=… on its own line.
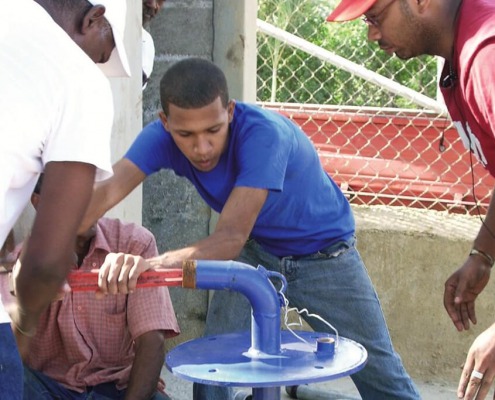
x=374, y=119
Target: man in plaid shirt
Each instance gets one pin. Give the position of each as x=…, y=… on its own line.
x=109, y=348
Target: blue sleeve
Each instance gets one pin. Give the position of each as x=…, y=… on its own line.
x=263, y=155
x=150, y=150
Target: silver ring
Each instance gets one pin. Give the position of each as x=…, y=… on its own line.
x=476, y=374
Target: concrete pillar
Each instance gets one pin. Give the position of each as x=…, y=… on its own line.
x=234, y=48
x=127, y=99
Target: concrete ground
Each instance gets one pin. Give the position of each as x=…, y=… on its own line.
x=340, y=389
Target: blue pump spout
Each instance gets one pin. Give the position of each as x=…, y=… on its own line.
x=252, y=283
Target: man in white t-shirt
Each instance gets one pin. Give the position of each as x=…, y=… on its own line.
x=56, y=114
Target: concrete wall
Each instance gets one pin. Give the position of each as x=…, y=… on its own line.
x=409, y=255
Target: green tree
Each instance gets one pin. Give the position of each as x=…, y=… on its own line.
x=292, y=16
x=289, y=75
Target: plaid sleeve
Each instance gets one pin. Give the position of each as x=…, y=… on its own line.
x=151, y=309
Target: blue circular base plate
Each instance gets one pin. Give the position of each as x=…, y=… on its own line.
x=226, y=360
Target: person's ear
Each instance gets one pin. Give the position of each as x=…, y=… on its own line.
x=164, y=119
x=422, y=5
x=92, y=18
x=35, y=199
x=230, y=109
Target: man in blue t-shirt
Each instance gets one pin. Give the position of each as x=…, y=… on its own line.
x=277, y=206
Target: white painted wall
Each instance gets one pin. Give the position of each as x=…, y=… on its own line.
x=128, y=103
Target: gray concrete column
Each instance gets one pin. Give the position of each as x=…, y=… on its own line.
x=234, y=47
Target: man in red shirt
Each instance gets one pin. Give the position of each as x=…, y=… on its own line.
x=110, y=348
x=463, y=33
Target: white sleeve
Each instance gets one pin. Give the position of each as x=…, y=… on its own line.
x=84, y=125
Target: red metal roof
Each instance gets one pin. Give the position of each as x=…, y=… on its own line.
x=392, y=157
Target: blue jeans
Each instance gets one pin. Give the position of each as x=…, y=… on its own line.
x=40, y=387
x=334, y=284
x=10, y=365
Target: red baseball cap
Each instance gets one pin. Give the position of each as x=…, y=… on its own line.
x=350, y=9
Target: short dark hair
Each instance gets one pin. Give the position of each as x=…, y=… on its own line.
x=193, y=83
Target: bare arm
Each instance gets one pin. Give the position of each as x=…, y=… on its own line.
x=464, y=285
x=485, y=240
x=147, y=365
x=108, y=193
x=119, y=272
x=48, y=254
x=231, y=233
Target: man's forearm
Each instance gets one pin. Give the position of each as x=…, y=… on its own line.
x=485, y=240
x=36, y=285
x=215, y=247
x=233, y=228
x=147, y=365
x=47, y=255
